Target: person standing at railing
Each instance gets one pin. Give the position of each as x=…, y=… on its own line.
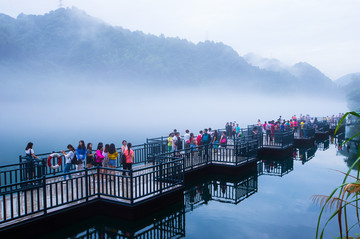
x=187, y=141
x=287, y=125
x=215, y=141
x=199, y=142
x=223, y=140
x=302, y=128
x=129, y=158
x=206, y=140
x=170, y=142
x=192, y=144
x=89, y=156
x=296, y=126
x=237, y=131
x=105, y=162
x=113, y=155
x=178, y=143
x=68, y=158
x=259, y=122
x=227, y=129
x=268, y=131
x=124, y=146
x=80, y=154
x=174, y=142
x=99, y=155
x=272, y=130
x=30, y=156
x=282, y=127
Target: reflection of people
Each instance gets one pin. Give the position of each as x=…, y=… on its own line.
x=223, y=186
x=206, y=196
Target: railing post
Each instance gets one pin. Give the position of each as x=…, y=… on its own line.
x=21, y=168
x=86, y=185
x=131, y=187
x=161, y=145
x=44, y=194
x=98, y=180
x=145, y=152
x=161, y=175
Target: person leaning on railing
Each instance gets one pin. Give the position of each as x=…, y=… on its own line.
x=30, y=156
x=68, y=157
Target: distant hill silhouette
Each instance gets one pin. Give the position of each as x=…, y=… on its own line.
x=350, y=84
x=68, y=41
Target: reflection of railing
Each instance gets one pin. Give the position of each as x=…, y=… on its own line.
x=225, y=190
x=322, y=127
x=275, y=168
x=305, y=154
x=51, y=193
x=305, y=133
x=170, y=224
x=322, y=145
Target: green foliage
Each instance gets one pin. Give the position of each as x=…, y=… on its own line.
x=348, y=195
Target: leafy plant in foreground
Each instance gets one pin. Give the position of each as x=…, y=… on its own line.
x=344, y=196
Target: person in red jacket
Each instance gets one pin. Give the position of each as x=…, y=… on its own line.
x=199, y=141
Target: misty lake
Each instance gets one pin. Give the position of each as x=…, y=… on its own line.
x=272, y=200
x=273, y=207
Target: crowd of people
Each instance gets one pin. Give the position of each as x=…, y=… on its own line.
x=201, y=143
x=107, y=155
x=104, y=156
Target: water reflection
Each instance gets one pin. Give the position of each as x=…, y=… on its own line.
x=275, y=167
x=166, y=224
x=322, y=144
x=304, y=154
x=221, y=188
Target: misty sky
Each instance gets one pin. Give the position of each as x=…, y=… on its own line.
x=324, y=33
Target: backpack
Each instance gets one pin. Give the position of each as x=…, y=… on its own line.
x=179, y=143
x=74, y=160
x=205, y=138
x=123, y=158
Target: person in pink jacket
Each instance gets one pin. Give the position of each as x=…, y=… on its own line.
x=129, y=158
x=99, y=157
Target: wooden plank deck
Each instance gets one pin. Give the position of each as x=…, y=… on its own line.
x=62, y=194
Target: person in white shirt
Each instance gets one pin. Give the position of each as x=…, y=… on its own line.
x=68, y=157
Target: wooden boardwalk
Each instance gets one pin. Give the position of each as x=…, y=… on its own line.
x=58, y=194
x=148, y=180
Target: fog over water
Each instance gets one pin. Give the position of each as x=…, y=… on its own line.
x=54, y=113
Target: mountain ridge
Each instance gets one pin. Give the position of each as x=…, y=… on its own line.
x=69, y=41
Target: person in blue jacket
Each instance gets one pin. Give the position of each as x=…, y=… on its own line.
x=80, y=154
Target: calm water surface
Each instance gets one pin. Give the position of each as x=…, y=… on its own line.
x=273, y=200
